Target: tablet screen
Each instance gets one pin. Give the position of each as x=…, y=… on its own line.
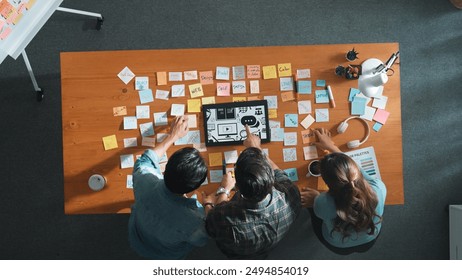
x=224, y=123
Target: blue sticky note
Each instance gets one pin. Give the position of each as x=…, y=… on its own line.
x=377, y=126
x=353, y=93
x=320, y=83
x=290, y=120
x=304, y=87
x=286, y=83
x=322, y=96
x=292, y=174
x=216, y=176
x=358, y=106
x=277, y=134
x=146, y=96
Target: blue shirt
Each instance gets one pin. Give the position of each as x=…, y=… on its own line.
x=162, y=225
x=324, y=208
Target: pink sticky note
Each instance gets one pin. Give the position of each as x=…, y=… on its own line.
x=381, y=116
x=5, y=33
x=223, y=89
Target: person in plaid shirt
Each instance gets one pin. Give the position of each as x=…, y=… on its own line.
x=261, y=211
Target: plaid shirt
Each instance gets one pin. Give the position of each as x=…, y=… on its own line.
x=244, y=229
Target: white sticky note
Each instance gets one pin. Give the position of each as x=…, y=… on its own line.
x=127, y=161
x=322, y=115
x=177, y=110
x=286, y=83
x=130, y=142
x=304, y=107
x=310, y=152
x=148, y=141
x=130, y=123
x=307, y=121
x=238, y=87
x=142, y=112
x=368, y=113
x=162, y=94
x=290, y=138
x=160, y=118
x=289, y=154
x=303, y=73
x=277, y=134
x=380, y=102
x=200, y=147
x=126, y=75
x=192, y=120
x=254, y=86
x=178, y=91
x=231, y=157
x=141, y=83
x=175, y=76
x=274, y=124
x=190, y=75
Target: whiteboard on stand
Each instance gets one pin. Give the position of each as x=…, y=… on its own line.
x=27, y=27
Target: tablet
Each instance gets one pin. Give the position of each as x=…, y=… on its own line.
x=224, y=123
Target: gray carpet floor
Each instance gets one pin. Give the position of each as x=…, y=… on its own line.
x=430, y=36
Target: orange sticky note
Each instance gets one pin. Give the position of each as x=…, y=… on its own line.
x=253, y=71
x=194, y=105
x=196, y=90
x=110, y=142
x=285, y=69
x=161, y=78
x=239, y=99
x=208, y=100
x=269, y=72
x=272, y=113
x=287, y=96
x=307, y=136
x=206, y=77
x=215, y=159
x=119, y=111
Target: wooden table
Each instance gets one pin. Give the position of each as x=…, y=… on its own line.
x=91, y=88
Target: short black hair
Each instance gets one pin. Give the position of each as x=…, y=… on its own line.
x=254, y=175
x=185, y=171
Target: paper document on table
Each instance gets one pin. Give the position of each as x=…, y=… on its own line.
x=367, y=160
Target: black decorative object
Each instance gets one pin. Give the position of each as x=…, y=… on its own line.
x=352, y=55
x=340, y=71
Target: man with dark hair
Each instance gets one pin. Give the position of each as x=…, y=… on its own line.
x=164, y=222
x=261, y=211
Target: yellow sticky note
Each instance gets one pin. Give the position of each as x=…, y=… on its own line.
x=322, y=186
x=194, y=105
x=215, y=159
x=251, y=98
x=239, y=99
x=110, y=142
x=269, y=72
x=208, y=100
x=161, y=78
x=272, y=113
x=287, y=96
x=285, y=69
x=196, y=90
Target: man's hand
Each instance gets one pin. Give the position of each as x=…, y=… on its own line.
x=252, y=140
x=179, y=127
x=307, y=197
x=228, y=182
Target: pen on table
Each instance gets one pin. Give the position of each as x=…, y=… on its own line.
x=331, y=96
x=224, y=167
